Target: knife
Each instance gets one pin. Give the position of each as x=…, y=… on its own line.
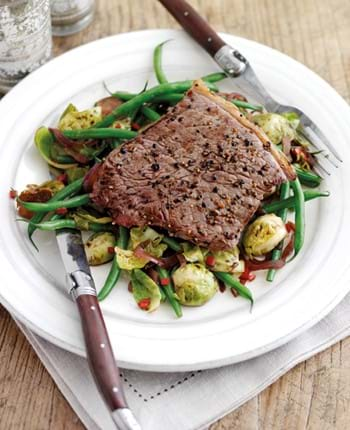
x=99, y=350
x=230, y=60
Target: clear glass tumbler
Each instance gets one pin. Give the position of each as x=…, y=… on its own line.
x=71, y=16
x=25, y=39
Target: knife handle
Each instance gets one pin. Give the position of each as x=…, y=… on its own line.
x=195, y=25
x=99, y=351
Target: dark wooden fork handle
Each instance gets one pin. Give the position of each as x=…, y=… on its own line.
x=100, y=353
x=194, y=24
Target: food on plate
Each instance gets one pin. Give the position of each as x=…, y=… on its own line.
x=187, y=189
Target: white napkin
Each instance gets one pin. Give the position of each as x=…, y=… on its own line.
x=190, y=400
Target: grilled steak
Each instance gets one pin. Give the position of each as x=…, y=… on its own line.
x=200, y=172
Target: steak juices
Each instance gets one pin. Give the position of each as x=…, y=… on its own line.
x=200, y=172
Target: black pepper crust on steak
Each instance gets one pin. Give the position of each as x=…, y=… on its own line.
x=200, y=172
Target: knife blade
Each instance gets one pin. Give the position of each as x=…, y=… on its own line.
x=100, y=355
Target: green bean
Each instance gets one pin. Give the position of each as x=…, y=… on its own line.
x=67, y=191
x=162, y=294
x=169, y=291
x=145, y=97
x=245, y=105
x=172, y=243
x=51, y=206
x=214, y=77
x=59, y=224
x=100, y=133
x=232, y=282
x=157, y=63
x=290, y=202
x=166, y=98
x=114, y=273
x=150, y=114
x=307, y=178
x=276, y=253
x=299, y=217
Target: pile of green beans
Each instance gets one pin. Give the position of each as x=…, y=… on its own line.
x=276, y=254
x=169, y=292
x=308, y=178
x=115, y=271
x=232, y=282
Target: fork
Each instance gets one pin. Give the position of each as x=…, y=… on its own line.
x=237, y=67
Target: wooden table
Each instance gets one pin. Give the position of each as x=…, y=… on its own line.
x=315, y=394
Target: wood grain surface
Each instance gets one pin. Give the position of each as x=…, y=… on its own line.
x=315, y=394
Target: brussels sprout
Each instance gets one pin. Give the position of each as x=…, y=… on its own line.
x=76, y=173
x=53, y=185
x=44, y=142
x=127, y=260
x=193, y=253
x=263, y=235
x=194, y=284
x=275, y=126
x=72, y=119
x=226, y=261
x=84, y=214
x=98, y=248
x=145, y=291
x=150, y=238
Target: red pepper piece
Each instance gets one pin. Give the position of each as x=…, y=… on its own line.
x=12, y=194
x=144, y=304
x=210, y=260
x=62, y=178
x=164, y=281
x=61, y=211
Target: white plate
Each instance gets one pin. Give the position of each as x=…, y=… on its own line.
x=223, y=331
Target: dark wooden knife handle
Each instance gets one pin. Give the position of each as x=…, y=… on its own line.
x=194, y=24
x=100, y=353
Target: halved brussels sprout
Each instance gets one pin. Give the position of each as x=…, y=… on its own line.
x=72, y=119
x=98, y=248
x=275, y=126
x=194, y=284
x=145, y=291
x=127, y=260
x=226, y=261
x=151, y=238
x=193, y=253
x=84, y=214
x=263, y=235
x=44, y=141
x=76, y=173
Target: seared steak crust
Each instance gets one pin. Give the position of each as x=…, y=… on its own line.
x=200, y=172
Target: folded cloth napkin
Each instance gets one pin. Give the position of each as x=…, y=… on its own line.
x=186, y=401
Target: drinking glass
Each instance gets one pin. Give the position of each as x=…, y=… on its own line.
x=25, y=39
x=71, y=16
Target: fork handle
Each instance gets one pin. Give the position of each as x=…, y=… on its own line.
x=195, y=25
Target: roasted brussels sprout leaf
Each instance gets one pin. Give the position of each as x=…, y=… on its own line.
x=44, y=141
x=194, y=284
x=145, y=291
x=72, y=119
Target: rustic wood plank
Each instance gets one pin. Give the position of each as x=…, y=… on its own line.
x=315, y=394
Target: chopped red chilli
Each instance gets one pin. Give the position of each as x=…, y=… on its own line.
x=164, y=281
x=12, y=194
x=62, y=178
x=61, y=211
x=110, y=250
x=144, y=304
x=210, y=260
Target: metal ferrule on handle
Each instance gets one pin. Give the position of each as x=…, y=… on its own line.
x=231, y=61
x=80, y=283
